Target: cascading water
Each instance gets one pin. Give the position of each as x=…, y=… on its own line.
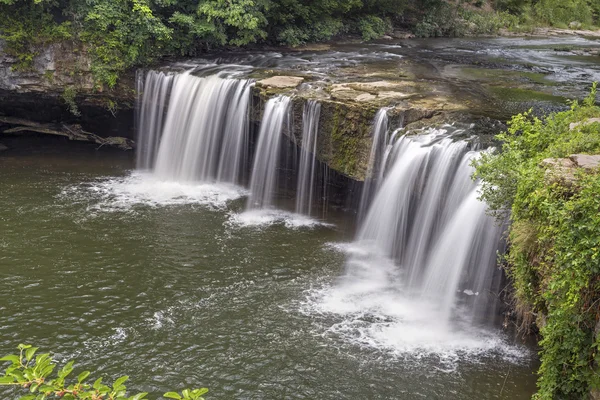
x=266, y=158
x=379, y=134
x=426, y=218
x=153, y=93
x=424, y=259
x=307, y=169
x=204, y=136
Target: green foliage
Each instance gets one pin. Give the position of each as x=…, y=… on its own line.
x=120, y=34
x=562, y=13
x=554, y=254
x=372, y=27
x=446, y=19
x=36, y=374
x=27, y=30
x=68, y=96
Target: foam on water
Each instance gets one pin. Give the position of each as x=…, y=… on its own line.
x=140, y=188
x=267, y=217
x=374, y=309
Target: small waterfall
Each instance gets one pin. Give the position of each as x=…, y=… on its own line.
x=379, y=134
x=204, y=135
x=266, y=158
x=307, y=169
x=426, y=234
x=153, y=94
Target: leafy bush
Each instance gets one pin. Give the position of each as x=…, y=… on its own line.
x=68, y=96
x=372, y=27
x=34, y=374
x=562, y=13
x=554, y=256
x=27, y=31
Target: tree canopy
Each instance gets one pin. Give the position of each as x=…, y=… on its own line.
x=121, y=33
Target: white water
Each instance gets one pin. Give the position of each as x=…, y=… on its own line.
x=424, y=246
x=376, y=158
x=153, y=94
x=267, y=155
x=204, y=135
x=308, y=161
x=144, y=189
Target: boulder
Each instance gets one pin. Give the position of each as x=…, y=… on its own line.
x=586, y=161
x=559, y=170
x=584, y=123
x=575, y=25
x=281, y=82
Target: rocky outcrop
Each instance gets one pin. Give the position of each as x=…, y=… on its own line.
x=563, y=171
x=347, y=114
x=589, y=121
x=281, y=82
x=59, y=87
x=55, y=67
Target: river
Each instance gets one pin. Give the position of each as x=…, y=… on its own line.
x=172, y=283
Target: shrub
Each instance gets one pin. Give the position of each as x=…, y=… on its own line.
x=554, y=256
x=35, y=375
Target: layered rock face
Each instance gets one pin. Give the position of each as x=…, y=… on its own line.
x=59, y=88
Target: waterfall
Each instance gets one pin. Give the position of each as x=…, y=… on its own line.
x=153, y=94
x=426, y=235
x=379, y=134
x=307, y=169
x=266, y=158
x=204, y=134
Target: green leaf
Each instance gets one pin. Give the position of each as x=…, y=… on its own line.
x=82, y=376
x=120, y=381
x=200, y=392
x=46, y=388
x=30, y=352
x=138, y=396
x=12, y=358
x=172, y=395
x=6, y=380
x=66, y=370
x=97, y=383
x=27, y=397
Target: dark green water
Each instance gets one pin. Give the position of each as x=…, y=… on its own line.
x=174, y=293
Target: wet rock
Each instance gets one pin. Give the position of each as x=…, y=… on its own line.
x=393, y=95
x=387, y=37
x=584, y=123
x=3, y=147
x=376, y=87
x=281, y=82
x=585, y=161
x=364, y=97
